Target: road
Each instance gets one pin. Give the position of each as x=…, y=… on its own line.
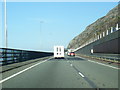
x=71, y=72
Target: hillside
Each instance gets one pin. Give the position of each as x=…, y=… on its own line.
x=100, y=25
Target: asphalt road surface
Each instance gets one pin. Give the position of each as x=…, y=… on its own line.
x=71, y=72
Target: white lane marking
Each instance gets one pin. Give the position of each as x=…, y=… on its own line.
x=22, y=71
x=71, y=65
x=80, y=57
x=81, y=74
x=104, y=64
x=100, y=63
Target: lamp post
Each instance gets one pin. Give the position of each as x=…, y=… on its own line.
x=5, y=24
x=41, y=25
x=41, y=31
x=5, y=32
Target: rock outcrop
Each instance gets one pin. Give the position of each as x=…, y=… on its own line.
x=99, y=26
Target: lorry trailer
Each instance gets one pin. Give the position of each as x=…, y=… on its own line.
x=58, y=51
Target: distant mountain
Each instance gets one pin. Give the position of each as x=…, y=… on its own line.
x=99, y=26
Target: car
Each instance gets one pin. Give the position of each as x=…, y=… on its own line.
x=68, y=53
x=72, y=54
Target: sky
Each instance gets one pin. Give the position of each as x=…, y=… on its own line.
x=41, y=25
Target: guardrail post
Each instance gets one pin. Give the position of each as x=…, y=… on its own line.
x=13, y=61
x=4, y=56
x=20, y=56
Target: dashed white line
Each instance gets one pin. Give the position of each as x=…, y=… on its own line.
x=81, y=74
x=22, y=71
x=104, y=64
x=71, y=65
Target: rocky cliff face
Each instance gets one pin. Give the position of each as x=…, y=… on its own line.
x=99, y=26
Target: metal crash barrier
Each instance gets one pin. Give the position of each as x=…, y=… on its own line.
x=8, y=56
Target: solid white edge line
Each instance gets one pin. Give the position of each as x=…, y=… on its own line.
x=22, y=71
x=81, y=74
x=100, y=63
x=104, y=64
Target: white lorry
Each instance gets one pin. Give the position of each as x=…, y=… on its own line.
x=58, y=51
